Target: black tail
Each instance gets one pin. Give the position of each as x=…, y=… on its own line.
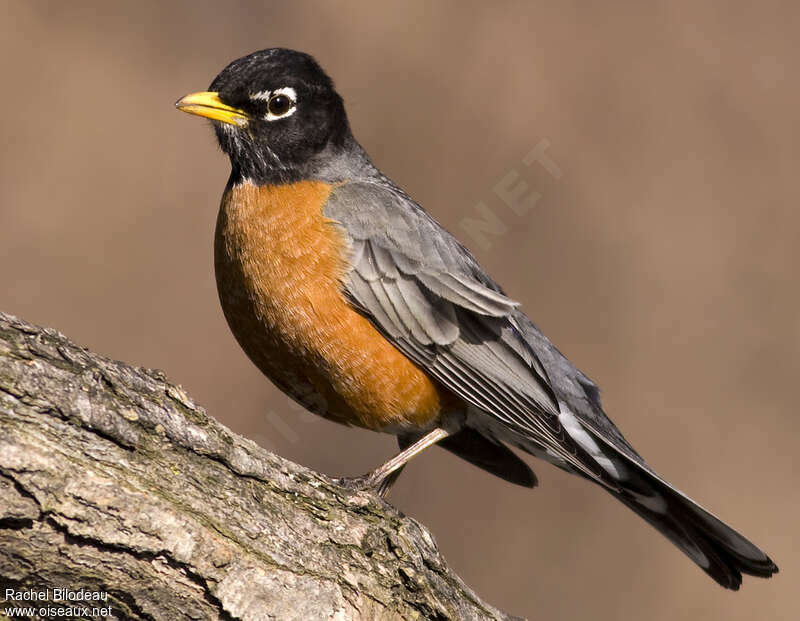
x=719, y=550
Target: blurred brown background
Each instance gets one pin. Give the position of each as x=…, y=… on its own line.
x=662, y=261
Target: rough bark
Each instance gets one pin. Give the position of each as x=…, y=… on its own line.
x=113, y=480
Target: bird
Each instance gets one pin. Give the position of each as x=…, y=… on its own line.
x=360, y=306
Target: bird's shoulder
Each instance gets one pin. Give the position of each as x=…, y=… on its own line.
x=377, y=212
x=393, y=236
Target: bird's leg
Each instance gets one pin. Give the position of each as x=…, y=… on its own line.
x=388, y=482
x=384, y=476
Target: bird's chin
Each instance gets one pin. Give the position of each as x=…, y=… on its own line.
x=252, y=161
x=233, y=142
x=226, y=129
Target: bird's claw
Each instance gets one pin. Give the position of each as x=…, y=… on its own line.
x=366, y=483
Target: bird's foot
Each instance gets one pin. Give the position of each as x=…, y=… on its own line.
x=357, y=484
x=375, y=482
x=380, y=480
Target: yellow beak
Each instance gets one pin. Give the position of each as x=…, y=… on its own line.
x=208, y=104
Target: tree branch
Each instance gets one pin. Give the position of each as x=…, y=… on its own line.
x=113, y=480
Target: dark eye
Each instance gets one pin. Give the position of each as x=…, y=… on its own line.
x=278, y=105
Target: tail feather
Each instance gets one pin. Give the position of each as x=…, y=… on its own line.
x=715, y=547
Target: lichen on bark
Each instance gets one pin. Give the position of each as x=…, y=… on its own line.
x=112, y=479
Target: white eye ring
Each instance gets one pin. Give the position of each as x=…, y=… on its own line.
x=286, y=91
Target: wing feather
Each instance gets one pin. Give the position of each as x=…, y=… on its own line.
x=427, y=295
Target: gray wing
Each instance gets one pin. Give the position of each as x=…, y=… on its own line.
x=575, y=389
x=429, y=297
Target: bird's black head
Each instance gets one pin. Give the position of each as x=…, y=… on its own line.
x=275, y=113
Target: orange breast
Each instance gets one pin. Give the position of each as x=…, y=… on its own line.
x=280, y=266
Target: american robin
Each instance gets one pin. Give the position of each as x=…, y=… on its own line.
x=360, y=306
